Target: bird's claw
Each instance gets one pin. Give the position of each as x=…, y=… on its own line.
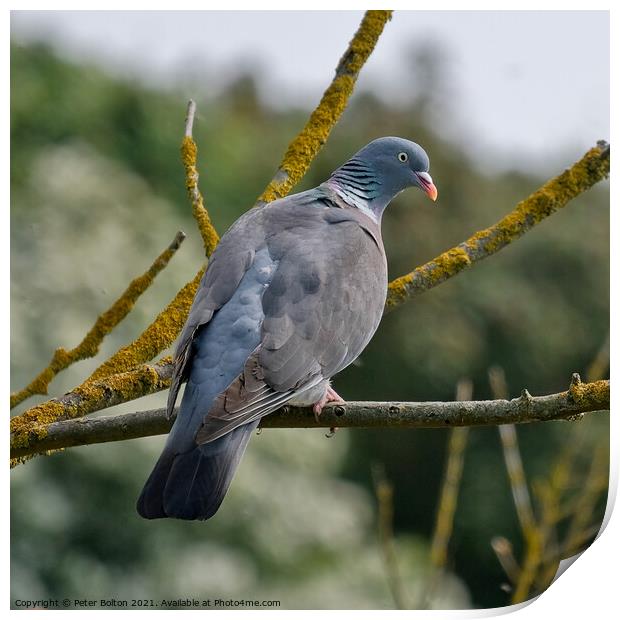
x=330, y=396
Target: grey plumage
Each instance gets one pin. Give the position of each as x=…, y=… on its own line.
x=292, y=295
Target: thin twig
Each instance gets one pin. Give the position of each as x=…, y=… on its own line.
x=189, y=118
x=600, y=363
x=444, y=521
x=105, y=323
x=596, y=482
x=512, y=457
x=593, y=397
x=503, y=550
x=189, y=154
x=532, y=535
x=384, y=492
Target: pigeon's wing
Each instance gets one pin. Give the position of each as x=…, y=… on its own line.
x=227, y=266
x=321, y=307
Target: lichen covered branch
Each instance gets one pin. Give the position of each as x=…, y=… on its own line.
x=552, y=196
x=32, y=426
x=581, y=398
x=189, y=152
x=304, y=148
x=158, y=336
x=105, y=323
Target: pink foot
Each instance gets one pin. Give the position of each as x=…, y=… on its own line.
x=330, y=396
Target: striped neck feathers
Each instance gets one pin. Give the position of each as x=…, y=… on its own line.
x=356, y=183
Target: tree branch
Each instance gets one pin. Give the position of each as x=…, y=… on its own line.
x=448, y=498
x=32, y=426
x=579, y=399
x=159, y=335
x=304, y=148
x=189, y=152
x=552, y=196
x=512, y=458
x=453, y=472
x=384, y=491
x=105, y=323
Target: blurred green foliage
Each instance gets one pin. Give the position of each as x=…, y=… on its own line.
x=97, y=191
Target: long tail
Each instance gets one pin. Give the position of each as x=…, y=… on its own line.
x=193, y=484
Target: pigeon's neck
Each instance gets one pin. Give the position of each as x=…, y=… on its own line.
x=356, y=184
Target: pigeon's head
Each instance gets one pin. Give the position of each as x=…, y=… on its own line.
x=381, y=170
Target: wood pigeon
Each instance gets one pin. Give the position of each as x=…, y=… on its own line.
x=292, y=294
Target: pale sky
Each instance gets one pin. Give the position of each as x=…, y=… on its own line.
x=528, y=89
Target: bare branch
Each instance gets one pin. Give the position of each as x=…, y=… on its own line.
x=579, y=399
x=444, y=521
x=503, y=550
x=450, y=485
x=384, y=491
x=105, y=323
x=189, y=153
x=304, y=148
x=512, y=458
x=552, y=196
x=595, y=484
x=189, y=118
x=600, y=364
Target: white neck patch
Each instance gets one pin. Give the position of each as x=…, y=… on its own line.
x=354, y=201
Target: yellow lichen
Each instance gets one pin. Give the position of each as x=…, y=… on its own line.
x=189, y=152
x=86, y=398
x=553, y=195
x=306, y=145
x=590, y=395
x=104, y=324
x=159, y=335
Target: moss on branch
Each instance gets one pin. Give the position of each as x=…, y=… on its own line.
x=159, y=335
x=304, y=148
x=32, y=426
x=189, y=153
x=552, y=196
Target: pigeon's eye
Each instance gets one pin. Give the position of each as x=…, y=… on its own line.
x=403, y=157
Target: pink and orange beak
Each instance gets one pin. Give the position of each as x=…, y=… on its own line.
x=426, y=183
